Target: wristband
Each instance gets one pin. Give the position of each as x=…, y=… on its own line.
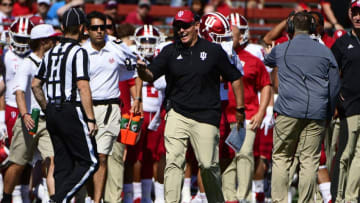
x=91, y=120
x=2, y=116
x=241, y=110
x=138, y=98
x=25, y=115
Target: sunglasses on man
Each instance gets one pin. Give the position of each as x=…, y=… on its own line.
x=7, y=4
x=183, y=25
x=102, y=27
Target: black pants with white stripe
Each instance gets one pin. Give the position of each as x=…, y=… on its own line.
x=75, y=151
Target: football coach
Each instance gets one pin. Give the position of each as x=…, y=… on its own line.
x=192, y=67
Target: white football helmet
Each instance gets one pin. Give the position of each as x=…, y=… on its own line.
x=241, y=23
x=19, y=33
x=147, y=38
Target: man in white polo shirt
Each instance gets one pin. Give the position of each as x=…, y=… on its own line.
x=109, y=63
x=23, y=144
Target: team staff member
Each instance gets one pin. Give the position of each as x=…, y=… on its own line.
x=256, y=79
x=69, y=112
x=23, y=146
x=107, y=67
x=308, y=86
x=192, y=68
x=346, y=51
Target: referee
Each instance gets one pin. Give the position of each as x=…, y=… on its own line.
x=64, y=70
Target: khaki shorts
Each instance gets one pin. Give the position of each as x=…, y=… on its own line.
x=23, y=144
x=107, y=134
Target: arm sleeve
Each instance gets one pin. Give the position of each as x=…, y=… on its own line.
x=270, y=59
x=158, y=67
x=226, y=69
x=81, y=64
x=263, y=77
x=41, y=74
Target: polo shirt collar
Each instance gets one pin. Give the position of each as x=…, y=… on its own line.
x=91, y=50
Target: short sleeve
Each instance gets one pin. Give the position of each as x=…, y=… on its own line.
x=81, y=64
x=158, y=67
x=337, y=53
x=41, y=73
x=226, y=69
x=263, y=77
x=270, y=59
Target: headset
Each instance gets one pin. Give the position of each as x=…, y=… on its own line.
x=290, y=23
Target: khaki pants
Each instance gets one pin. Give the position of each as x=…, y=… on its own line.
x=205, y=141
x=115, y=173
x=23, y=144
x=289, y=134
x=241, y=169
x=338, y=176
x=350, y=162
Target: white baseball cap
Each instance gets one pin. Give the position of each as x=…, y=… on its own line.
x=43, y=31
x=43, y=1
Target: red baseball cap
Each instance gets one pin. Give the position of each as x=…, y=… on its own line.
x=355, y=3
x=185, y=16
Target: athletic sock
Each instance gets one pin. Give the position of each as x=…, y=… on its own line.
x=203, y=197
x=259, y=190
x=25, y=193
x=137, y=190
x=186, y=190
x=128, y=193
x=146, y=186
x=159, y=192
x=325, y=191
x=16, y=194
x=7, y=198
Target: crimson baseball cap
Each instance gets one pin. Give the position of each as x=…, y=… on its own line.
x=355, y=3
x=185, y=16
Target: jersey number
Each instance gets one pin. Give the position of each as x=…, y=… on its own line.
x=151, y=91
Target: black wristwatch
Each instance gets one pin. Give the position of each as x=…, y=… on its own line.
x=91, y=120
x=241, y=110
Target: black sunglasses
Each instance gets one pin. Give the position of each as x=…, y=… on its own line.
x=96, y=27
x=182, y=25
x=109, y=26
x=5, y=4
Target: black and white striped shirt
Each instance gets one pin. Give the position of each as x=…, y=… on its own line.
x=61, y=68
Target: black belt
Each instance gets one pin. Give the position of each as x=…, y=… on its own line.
x=108, y=102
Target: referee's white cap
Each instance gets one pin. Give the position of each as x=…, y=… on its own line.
x=43, y=31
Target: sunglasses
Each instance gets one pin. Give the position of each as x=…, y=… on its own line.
x=96, y=27
x=5, y=4
x=182, y=25
x=110, y=26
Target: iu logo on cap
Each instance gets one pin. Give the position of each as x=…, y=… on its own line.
x=180, y=13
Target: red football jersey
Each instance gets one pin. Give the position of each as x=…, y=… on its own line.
x=255, y=78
